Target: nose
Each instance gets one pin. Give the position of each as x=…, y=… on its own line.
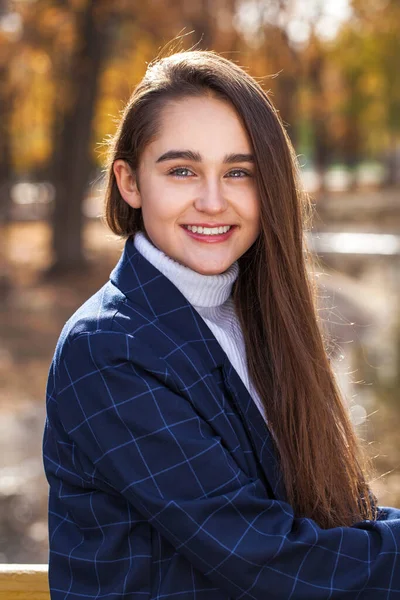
x=211, y=200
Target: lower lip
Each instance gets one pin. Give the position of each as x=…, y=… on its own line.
x=210, y=239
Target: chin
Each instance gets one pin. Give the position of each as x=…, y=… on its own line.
x=208, y=270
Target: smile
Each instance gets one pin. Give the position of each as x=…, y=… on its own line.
x=209, y=235
x=208, y=230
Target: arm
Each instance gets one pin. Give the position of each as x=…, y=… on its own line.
x=149, y=443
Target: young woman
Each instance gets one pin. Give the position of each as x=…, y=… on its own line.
x=196, y=444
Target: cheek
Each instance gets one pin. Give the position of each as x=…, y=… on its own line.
x=154, y=196
x=248, y=205
x=161, y=205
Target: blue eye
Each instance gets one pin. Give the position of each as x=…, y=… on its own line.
x=238, y=173
x=177, y=172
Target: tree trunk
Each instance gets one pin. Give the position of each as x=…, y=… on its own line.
x=72, y=161
x=318, y=117
x=6, y=101
x=199, y=17
x=392, y=162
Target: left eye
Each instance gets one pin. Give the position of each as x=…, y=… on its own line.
x=238, y=173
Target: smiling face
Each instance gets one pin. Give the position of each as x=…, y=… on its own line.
x=198, y=171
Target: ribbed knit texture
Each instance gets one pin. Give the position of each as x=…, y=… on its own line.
x=211, y=296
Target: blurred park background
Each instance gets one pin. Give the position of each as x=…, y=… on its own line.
x=66, y=69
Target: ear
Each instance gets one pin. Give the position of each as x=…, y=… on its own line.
x=127, y=183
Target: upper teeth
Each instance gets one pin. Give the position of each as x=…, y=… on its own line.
x=209, y=230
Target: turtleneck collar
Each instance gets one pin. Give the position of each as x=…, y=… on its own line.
x=200, y=290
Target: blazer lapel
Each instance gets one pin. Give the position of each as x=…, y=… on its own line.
x=261, y=437
x=164, y=304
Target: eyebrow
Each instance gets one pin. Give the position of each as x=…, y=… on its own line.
x=196, y=156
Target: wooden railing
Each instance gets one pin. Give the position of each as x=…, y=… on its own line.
x=24, y=582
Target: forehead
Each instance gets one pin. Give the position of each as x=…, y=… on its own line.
x=208, y=125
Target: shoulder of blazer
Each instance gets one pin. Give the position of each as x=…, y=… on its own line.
x=140, y=302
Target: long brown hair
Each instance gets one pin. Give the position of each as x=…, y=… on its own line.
x=324, y=466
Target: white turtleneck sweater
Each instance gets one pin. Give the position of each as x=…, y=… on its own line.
x=211, y=296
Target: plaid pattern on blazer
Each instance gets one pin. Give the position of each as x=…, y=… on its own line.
x=164, y=482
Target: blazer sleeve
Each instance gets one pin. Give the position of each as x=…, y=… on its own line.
x=149, y=443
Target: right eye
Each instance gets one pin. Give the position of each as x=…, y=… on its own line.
x=181, y=172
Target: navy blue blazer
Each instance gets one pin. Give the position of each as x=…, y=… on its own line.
x=164, y=481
